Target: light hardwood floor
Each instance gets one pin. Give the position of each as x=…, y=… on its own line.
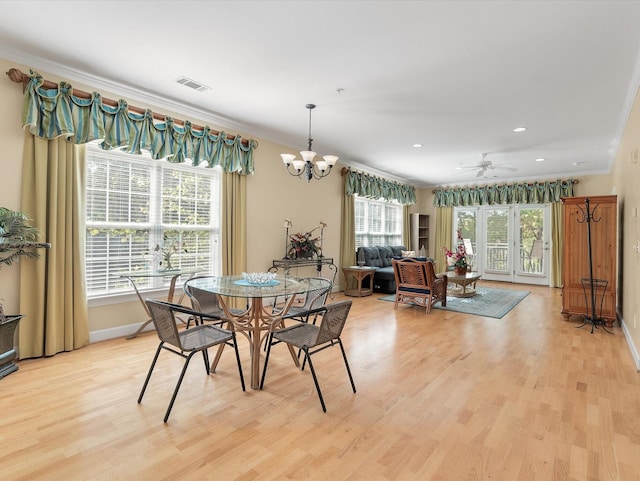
x=444, y=396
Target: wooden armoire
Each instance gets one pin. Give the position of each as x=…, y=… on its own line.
x=575, y=256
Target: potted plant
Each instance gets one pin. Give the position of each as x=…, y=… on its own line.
x=17, y=239
x=303, y=246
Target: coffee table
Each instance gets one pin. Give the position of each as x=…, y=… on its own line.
x=461, y=285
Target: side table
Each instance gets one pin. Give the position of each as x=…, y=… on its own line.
x=360, y=274
x=463, y=282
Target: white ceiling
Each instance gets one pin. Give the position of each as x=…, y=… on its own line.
x=457, y=77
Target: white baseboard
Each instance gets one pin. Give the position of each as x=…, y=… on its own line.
x=632, y=348
x=115, y=332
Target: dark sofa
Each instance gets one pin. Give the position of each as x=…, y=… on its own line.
x=380, y=257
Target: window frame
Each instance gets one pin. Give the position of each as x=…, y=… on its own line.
x=364, y=237
x=155, y=225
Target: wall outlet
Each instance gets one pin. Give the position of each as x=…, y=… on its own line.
x=633, y=156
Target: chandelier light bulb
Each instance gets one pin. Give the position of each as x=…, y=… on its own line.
x=287, y=158
x=307, y=155
x=330, y=160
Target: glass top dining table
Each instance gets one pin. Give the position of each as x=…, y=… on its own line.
x=258, y=319
x=236, y=286
x=172, y=274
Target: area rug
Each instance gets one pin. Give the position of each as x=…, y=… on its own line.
x=488, y=302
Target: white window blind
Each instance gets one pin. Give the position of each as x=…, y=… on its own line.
x=134, y=204
x=377, y=222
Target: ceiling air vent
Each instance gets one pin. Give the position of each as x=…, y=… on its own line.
x=192, y=84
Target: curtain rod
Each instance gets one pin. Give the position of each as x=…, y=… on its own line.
x=575, y=181
x=18, y=76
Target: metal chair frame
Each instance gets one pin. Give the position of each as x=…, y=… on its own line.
x=313, y=299
x=311, y=339
x=186, y=343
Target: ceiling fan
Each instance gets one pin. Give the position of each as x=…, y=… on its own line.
x=484, y=165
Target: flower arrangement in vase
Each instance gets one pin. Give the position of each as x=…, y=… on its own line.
x=457, y=258
x=303, y=246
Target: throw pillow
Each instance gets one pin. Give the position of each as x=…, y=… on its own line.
x=408, y=253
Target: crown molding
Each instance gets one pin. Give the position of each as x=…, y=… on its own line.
x=39, y=64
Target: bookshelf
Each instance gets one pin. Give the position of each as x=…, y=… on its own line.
x=420, y=232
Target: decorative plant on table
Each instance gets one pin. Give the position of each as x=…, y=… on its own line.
x=170, y=246
x=457, y=258
x=304, y=246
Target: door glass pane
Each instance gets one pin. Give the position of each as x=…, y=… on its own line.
x=531, y=241
x=466, y=223
x=497, y=241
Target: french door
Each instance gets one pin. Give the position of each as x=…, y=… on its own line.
x=508, y=242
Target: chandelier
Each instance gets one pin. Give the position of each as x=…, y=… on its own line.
x=306, y=168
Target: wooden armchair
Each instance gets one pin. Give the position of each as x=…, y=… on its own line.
x=417, y=283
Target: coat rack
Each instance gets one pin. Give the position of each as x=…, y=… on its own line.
x=593, y=284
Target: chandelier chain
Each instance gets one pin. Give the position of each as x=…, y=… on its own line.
x=310, y=140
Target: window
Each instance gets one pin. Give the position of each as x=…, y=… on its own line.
x=377, y=222
x=134, y=204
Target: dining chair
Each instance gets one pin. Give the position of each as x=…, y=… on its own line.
x=185, y=343
x=206, y=303
x=312, y=338
x=417, y=283
x=312, y=300
x=308, y=310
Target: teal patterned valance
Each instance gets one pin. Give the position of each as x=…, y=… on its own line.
x=51, y=113
x=372, y=187
x=535, y=193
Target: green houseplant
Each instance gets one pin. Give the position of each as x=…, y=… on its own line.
x=303, y=246
x=17, y=239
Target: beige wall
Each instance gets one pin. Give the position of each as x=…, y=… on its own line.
x=625, y=178
x=11, y=168
x=594, y=185
x=273, y=195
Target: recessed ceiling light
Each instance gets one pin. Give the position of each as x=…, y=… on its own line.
x=540, y=160
x=417, y=146
x=519, y=129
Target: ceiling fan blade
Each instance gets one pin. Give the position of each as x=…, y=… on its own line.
x=480, y=172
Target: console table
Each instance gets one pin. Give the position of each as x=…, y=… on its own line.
x=287, y=264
